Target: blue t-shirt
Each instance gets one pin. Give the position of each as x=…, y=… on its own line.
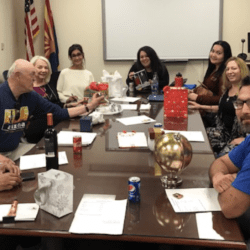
x=240, y=156
x=28, y=104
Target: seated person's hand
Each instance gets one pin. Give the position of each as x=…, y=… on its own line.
x=131, y=75
x=72, y=98
x=9, y=180
x=221, y=182
x=193, y=105
x=192, y=96
x=84, y=100
x=237, y=141
x=7, y=164
x=95, y=101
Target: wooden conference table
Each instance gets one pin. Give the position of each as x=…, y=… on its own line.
x=103, y=168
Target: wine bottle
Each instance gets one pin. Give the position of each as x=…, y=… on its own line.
x=51, y=146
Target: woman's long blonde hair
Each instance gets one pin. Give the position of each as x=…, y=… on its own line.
x=244, y=71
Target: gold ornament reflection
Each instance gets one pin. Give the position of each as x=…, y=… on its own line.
x=173, y=153
x=166, y=216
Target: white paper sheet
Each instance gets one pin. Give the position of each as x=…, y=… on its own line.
x=94, y=197
x=107, y=197
x=135, y=120
x=25, y=211
x=205, y=227
x=99, y=217
x=65, y=138
x=134, y=106
x=39, y=160
x=195, y=136
x=194, y=200
x=130, y=139
x=125, y=99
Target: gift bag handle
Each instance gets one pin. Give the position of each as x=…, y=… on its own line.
x=41, y=195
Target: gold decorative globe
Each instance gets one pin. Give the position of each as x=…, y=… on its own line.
x=173, y=152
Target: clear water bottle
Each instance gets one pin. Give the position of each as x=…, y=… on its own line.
x=155, y=84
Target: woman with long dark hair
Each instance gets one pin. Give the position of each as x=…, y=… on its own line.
x=212, y=83
x=219, y=54
x=148, y=59
x=227, y=133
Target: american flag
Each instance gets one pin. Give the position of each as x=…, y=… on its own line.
x=31, y=27
x=50, y=41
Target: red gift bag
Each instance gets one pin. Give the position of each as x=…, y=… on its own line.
x=175, y=108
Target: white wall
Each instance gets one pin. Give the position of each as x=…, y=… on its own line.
x=7, y=38
x=80, y=21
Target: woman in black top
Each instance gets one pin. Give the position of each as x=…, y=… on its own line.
x=147, y=59
x=227, y=133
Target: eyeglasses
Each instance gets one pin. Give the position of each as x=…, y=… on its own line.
x=76, y=55
x=238, y=104
x=17, y=108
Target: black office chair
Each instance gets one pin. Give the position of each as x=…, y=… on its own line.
x=53, y=79
x=5, y=75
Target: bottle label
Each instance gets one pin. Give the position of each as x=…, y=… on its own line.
x=49, y=148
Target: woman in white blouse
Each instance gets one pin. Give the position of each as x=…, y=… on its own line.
x=73, y=81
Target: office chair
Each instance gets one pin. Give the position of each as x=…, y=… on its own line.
x=54, y=77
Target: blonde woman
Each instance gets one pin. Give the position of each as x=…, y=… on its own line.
x=42, y=86
x=226, y=134
x=37, y=124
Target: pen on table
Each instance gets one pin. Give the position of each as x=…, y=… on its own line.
x=13, y=208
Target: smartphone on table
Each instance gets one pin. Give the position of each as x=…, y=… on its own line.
x=28, y=176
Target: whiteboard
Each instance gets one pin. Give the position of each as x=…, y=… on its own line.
x=175, y=29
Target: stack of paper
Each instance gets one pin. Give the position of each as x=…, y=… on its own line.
x=135, y=120
x=39, y=160
x=193, y=200
x=125, y=99
x=99, y=216
x=131, y=139
x=134, y=106
x=25, y=211
x=205, y=225
x=190, y=135
x=65, y=138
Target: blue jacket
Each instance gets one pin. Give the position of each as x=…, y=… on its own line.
x=29, y=104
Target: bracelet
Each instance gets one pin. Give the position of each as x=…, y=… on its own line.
x=86, y=107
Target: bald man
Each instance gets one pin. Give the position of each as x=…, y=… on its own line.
x=18, y=102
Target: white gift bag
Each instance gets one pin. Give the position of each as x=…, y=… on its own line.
x=115, y=83
x=55, y=192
